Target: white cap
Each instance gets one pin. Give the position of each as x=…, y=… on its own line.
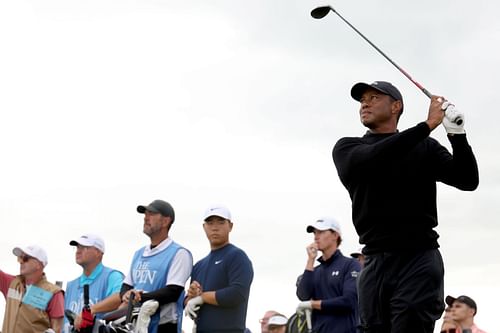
x=89, y=240
x=34, y=251
x=325, y=223
x=217, y=210
x=277, y=320
x=358, y=253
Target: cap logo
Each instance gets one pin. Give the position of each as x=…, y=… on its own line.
x=375, y=83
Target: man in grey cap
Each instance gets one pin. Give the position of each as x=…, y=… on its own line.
x=102, y=280
x=159, y=271
x=32, y=303
x=391, y=178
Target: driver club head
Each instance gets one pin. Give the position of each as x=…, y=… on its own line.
x=320, y=12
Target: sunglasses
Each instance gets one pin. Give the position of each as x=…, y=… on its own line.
x=25, y=258
x=450, y=330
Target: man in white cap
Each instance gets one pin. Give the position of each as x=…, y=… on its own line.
x=329, y=289
x=102, y=281
x=359, y=256
x=33, y=304
x=220, y=283
x=265, y=320
x=277, y=324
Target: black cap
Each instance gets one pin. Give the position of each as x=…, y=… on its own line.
x=462, y=299
x=384, y=87
x=158, y=206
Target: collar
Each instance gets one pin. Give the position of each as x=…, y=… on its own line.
x=335, y=255
x=148, y=251
x=95, y=273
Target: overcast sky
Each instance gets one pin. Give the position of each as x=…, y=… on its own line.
x=109, y=104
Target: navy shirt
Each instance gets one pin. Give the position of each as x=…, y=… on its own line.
x=227, y=271
x=334, y=283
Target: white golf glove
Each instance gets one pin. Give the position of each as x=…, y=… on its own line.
x=450, y=119
x=303, y=306
x=192, y=306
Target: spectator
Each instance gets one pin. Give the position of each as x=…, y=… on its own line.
x=159, y=270
x=265, y=319
x=32, y=303
x=277, y=323
x=103, y=281
x=463, y=310
x=220, y=284
x=449, y=325
x=359, y=256
x=329, y=289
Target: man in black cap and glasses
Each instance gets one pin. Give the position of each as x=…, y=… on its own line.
x=463, y=310
x=159, y=271
x=391, y=178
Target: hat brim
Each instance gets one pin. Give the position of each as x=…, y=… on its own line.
x=449, y=300
x=17, y=251
x=142, y=209
x=356, y=255
x=359, y=89
x=311, y=228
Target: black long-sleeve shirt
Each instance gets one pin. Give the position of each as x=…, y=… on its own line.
x=391, y=179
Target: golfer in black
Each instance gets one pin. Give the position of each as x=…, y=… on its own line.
x=391, y=178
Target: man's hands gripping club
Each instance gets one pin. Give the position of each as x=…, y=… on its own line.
x=451, y=116
x=448, y=118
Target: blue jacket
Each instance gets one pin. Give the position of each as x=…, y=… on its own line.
x=227, y=271
x=334, y=283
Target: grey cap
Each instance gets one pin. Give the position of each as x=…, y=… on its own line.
x=384, y=87
x=158, y=206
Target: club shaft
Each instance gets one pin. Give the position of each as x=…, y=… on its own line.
x=425, y=91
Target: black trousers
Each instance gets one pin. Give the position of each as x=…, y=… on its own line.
x=401, y=292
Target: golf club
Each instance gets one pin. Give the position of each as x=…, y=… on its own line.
x=320, y=12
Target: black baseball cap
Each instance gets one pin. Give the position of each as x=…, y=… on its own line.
x=384, y=87
x=462, y=299
x=158, y=206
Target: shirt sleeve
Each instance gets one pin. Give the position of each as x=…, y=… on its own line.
x=305, y=286
x=115, y=280
x=5, y=280
x=460, y=169
x=240, y=276
x=55, y=309
x=180, y=268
